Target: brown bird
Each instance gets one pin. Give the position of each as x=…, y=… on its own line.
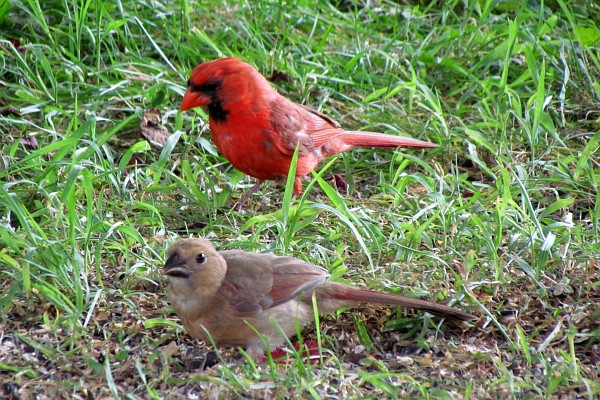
x=228, y=293
x=258, y=130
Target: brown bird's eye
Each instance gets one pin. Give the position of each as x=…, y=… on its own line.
x=201, y=258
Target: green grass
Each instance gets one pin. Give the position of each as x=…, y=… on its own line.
x=504, y=217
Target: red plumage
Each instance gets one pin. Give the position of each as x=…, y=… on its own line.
x=257, y=129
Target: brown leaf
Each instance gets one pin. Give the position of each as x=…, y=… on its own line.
x=9, y=111
x=192, y=226
x=170, y=349
x=279, y=76
x=152, y=129
x=29, y=142
x=339, y=182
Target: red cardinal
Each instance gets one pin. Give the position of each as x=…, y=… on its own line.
x=257, y=129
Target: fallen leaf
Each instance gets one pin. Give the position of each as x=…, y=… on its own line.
x=29, y=142
x=9, y=111
x=152, y=129
x=170, y=349
x=279, y=76
x=339, y=182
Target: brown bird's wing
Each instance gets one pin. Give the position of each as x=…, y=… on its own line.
x=292, y=277
x=257, y=282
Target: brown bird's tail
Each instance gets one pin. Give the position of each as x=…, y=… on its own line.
x=348, y=294
x=374, y=139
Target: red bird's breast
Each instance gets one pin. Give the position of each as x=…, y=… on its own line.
x=250, y=147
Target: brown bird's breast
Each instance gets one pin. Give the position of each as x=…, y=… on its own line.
x=230, y=330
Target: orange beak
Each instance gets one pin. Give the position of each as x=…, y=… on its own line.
x=193, y=99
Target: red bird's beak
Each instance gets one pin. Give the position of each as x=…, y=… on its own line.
x=193, y=99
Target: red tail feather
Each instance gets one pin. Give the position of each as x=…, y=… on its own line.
x=373, y=139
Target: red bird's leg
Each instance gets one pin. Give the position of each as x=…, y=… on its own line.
x=310, y=351
x=246, y=196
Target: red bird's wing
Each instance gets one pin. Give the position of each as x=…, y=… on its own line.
x=257, y=282
x=299, y=125
x=319, y=114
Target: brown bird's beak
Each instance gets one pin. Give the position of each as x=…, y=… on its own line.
x=175, y=267
x=193, y=99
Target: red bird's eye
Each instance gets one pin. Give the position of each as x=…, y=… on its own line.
x=201, y=258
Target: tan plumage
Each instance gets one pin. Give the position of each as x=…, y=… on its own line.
x=229, y=292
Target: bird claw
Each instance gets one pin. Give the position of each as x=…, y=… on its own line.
x=240, y=204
